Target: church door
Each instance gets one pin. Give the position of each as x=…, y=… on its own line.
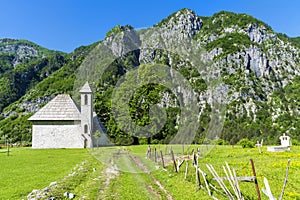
x=85, y=143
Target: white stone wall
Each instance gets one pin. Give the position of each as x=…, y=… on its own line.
x=57, y=135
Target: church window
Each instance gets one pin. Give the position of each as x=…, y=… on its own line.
x=85, y=99
x=85, y=128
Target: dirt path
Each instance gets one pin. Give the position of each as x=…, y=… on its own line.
x=111, y=172
x=138, y=162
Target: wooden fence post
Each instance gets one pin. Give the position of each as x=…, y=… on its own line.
x=255, y=180
x=192, y=151
x=174, y=162
x=166, y=150
x=285, y=179
x=162, y=159
x=179, y=164
x=186, y=169
x=155, y=156
x=237, y=184
x=197, y=171
x=8, y=150
x=8, y=145
x=148, y=152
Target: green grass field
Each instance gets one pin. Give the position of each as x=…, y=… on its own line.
x=27, y=169
x=269, y=165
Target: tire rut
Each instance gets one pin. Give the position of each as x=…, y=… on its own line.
x=138, y=162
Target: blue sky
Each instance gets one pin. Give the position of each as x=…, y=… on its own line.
x=66, y=24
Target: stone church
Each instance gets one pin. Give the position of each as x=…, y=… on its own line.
x=63, y=124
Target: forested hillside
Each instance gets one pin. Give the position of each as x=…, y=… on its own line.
x=23, y=64
x=259, y=72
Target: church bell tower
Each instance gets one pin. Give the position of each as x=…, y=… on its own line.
x=87, y=114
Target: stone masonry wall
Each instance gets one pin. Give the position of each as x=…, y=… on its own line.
x=57, y=135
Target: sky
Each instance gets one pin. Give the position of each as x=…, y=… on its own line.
x=67, y=24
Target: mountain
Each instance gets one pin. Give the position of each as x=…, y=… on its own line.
x=244, y=77
x=22, y=65
x=14, y=124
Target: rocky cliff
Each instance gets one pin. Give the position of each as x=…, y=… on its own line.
x=252, y=61
x=236, y=64
x=22, y=65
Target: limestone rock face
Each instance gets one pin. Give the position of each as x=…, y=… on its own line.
x=259, y=34
x=169, y=34
x=181, y=25
x=123, y=42
x=262, y=57
x=21, y=51
x=232, y=59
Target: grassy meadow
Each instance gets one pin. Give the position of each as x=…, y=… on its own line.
x=27, y=169
x=269, y=165
x=118, y=172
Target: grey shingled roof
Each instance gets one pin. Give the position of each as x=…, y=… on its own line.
x=86, y=88
x=62, y=107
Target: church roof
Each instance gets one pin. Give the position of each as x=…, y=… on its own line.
x=86, y=88
x=62, y=107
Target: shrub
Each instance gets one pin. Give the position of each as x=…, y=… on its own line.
x=221, y=142
x=295, y=142
x=246, y=143
x=143, y=141
x=155, y=141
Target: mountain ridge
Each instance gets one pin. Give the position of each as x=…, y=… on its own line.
x=255, y=63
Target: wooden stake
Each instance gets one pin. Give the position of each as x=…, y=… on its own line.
x=194, y=159
x=186, y=169
x=197, y=174
x=192, y=151
x=255, y=180
x=237, y=184
x=267, y=191
x=166, y=149
x=220, y=182
x=8, y=150
x=8, y=145
x=155, y=156
x=234, y=185
x=213, y=187
x=285, y=179
x=149, y=152
x=179, y=164
x=205, y=181
x=230, y=182
x=240, y=178
x=226, y=189
x=162, y=159
x=174, y=162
